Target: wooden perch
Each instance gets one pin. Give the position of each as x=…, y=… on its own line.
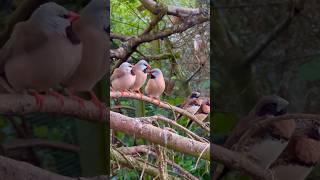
x=161, y=104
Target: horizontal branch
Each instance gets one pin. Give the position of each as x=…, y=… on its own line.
x=26, y=143
x=161, y=104
x=19, y=104
x=17, y=170
x=134, y=126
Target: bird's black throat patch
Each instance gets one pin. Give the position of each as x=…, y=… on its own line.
x=73, y=38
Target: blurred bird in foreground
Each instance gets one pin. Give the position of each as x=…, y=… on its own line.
x=90, y=28
x=39, y=56
x=302, y=153
x=264, y=146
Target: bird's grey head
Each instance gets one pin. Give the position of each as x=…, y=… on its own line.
x=51, y=18
x=142, y=65
x=155, y=73
x=195, y=94
x=127, y=67
x=96, y=14
x=270, y=105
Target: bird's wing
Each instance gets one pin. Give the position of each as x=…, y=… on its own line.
x=117, y=73
x=25, y=38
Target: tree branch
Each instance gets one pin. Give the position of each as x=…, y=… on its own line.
x=17, y=170
x=18, y=104
x=149, y=150
x=129, y=46
x=26, y=143
x=169, y=121
x=133, y=163
x=237, y=161
x=192, y=75
x=134, y=126
x=162, y=105
x=119, y=37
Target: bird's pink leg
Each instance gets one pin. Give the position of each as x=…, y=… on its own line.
x=37, y=97
x=140, y=93
x=99, y=104
x=159, y=102
x=59, y=96
x=70, y=93
x=122, y=92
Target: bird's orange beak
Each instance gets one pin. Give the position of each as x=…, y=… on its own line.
x=148, y=66
x=72, y=16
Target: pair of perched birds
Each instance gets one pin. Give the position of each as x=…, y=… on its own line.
x=289, y=148
x=56, y=47
x=132, y=77
x=196, y=105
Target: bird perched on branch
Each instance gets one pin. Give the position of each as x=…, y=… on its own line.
x=156, y=84
x=265, y=145
x=202, y=112
x=91, y=29
x=192, y=103
x=123, y=77
x=140, y=70
x=302, y=153
x=39, y=56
